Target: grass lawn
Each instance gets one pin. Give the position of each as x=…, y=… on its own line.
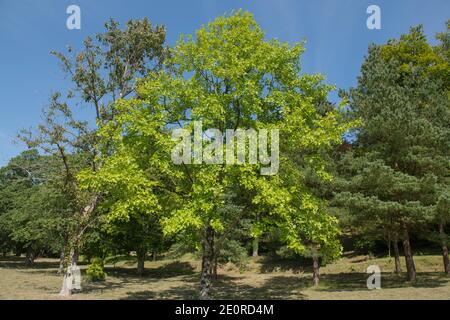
x=264, y=279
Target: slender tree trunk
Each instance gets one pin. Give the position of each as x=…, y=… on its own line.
x=207, y=260
x=74, y=255
x=211, y=266
x=30, y=256
x=410, y=267
x=67, y=286
x=255, y=247
x=154, y=255
x=316, y=270
x=389, y=248
x=215, y=266
x=66, y=289
x=398, y=269
x=141, y=261
x=444, y=249
x=62, y=255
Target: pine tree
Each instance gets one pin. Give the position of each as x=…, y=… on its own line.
x=402, y=147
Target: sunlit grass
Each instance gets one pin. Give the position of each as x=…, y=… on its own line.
x=263, y=278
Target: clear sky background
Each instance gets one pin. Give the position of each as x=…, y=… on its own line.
x=335, y=31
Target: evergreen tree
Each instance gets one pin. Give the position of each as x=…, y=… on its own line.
x=402, y=148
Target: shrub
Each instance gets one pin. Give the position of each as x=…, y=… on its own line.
x=96, y=271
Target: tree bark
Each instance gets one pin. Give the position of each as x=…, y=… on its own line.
x=316, y=270
x=444, y=249
x=141, y=261
x=255, y=247
x=67, y=286
x=215, y=266
x=61, y=262
x=410, y=267
x=207, y=260
x=66, y=289
x=398, y=269
x=62, y=255
x=30, y=256
x=214, y=256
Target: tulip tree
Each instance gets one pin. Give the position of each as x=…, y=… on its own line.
x=228, y=76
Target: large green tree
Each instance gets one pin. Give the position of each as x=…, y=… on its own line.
x=228, y=77
x=103, y=71
x=402, y=149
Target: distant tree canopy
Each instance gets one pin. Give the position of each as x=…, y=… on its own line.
x=34, y=213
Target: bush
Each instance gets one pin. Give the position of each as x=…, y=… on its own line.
x=232, y=251
x=96, y=271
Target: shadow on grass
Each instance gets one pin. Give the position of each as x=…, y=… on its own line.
x=271, y=264
x=180, y=280
x=125, y=259
x=19, y=263
x=280, y=287
x=120, y=278
x=187, y=291
x=274, y=288
x=357, y=281
x=169, y=270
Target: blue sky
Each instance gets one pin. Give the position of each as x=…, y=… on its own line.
x=335, y=31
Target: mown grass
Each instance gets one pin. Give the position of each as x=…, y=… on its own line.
x=264, y=278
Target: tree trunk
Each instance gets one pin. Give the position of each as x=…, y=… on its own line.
x=214, y=254
x=444, y=249
x=398, y=268
x=141, y=261
x=62, y=255
x=67, y=286
x=389, y=248
x=215, y=266
x=207, y=260
x=410, y=267
x=30, y=256
x=255, y=247
x=66, y=289
x=316, y=270
x=61, y=262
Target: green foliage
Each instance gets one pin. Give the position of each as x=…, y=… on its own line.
x=399, y=166
x=95, y=270
x=102, y=72
x=112, y=187
x=227, y=76
x=232, y=251
x=33, y=211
